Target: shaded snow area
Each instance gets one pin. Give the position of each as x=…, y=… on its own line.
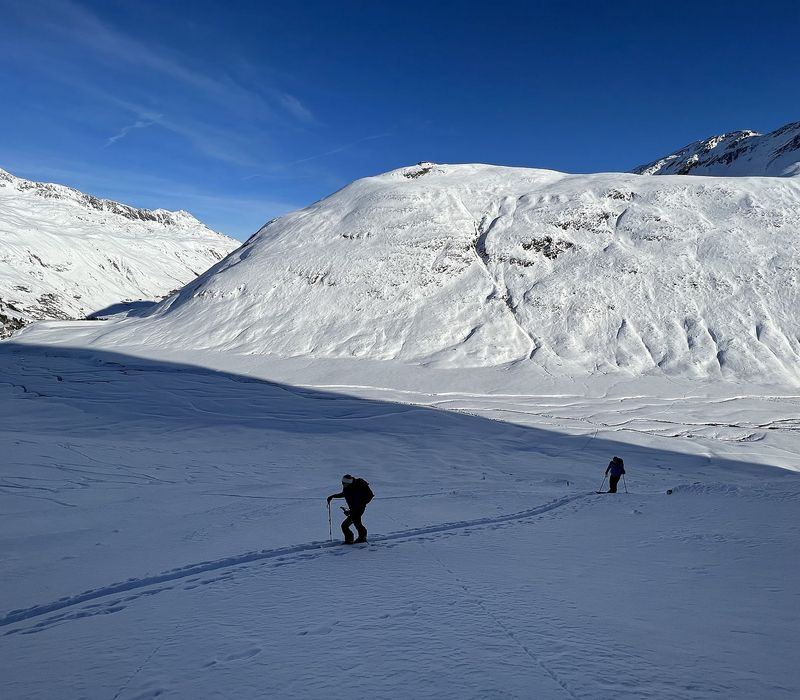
x=476, y=265
x=66, y=254
x=739, y=153
x=164, y=530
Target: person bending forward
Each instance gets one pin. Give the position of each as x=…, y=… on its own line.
x=357, y=493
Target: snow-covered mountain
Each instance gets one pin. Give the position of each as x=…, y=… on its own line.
x=66, y=254
x=739, y=153
x=477, y=265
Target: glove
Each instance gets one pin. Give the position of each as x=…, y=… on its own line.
x=329, y=499
x=346, y=512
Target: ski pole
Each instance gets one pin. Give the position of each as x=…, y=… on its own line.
x=603, y=484
x=624, y=483
x=330, y=527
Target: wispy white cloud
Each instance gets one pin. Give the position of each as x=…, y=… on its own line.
x=339, y=149
x=333, y=151
x=77, y=26
x=125, y=130
x=220, y=117
x=233, y=146
x=292, y=105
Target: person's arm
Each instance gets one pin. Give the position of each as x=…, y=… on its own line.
x=336, y=495
x=608, y=467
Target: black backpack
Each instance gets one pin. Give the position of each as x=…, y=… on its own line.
x=365, y=490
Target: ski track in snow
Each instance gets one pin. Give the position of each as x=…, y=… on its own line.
x=313, y=548
x=473, y=591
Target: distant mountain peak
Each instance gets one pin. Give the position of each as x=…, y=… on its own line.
x=51, y=190
x=65, y=254
x=737, y=153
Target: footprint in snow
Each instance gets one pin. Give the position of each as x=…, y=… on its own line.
x=320, y=629
x=248, y=653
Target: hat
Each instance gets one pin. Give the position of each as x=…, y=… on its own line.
x=347, y=479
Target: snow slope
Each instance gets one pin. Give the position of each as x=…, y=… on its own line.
x=164, y=531
x=476, y=342
x=66, y=254
x=737, y=153
x=477, y=265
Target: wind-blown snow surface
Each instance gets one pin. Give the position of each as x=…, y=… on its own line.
x=164, y=530
x=739, y=153
x=66, y=254
x=476, y=265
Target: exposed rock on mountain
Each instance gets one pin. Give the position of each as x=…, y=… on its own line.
x=740, y=153
x=475, y=265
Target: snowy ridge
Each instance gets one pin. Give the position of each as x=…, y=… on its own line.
x=51, y=190
x=66, y=254
x=739, y=153
x=477, y=265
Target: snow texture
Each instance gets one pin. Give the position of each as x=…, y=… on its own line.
x=66, y=254
x=477, y=342
x=739, y=153
x=165, y=530
x=477, y=265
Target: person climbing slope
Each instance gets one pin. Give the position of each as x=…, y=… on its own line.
x=358, y=494
x=614, y=470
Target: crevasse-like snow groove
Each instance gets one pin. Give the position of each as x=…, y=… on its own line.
x=501, y=289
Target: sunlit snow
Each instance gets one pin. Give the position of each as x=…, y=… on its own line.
x=477, y=343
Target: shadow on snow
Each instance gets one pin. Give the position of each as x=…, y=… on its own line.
x=128, y=396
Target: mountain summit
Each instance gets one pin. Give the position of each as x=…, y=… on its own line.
x=66, y=254
x=478, y=265
x=735, y=154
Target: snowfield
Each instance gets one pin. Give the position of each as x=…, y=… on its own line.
x=476, y=342
x=165, y=530
x=66, y=254
x=476, y=265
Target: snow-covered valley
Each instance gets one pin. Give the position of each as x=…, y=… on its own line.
x=475, y=341
x=165, y=529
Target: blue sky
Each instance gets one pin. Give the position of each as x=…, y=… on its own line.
x=240, y=111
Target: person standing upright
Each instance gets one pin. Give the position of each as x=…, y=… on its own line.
x=614, y=470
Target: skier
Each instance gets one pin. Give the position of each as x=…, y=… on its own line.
x=357, y=493
x=617, y=468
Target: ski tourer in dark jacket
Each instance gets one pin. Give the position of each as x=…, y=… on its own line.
x=615, y=468
x=357, y=493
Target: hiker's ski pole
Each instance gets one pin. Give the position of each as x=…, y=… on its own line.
x=603, y=484
x=330, y=527
x=625, y=483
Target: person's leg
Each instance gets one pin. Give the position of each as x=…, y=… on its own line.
x=348, y=533
x=362, y=531
x=612, y=484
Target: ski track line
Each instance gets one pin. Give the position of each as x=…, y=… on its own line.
x=132, y=584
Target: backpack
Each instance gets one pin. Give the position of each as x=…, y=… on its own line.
x=366, y=491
